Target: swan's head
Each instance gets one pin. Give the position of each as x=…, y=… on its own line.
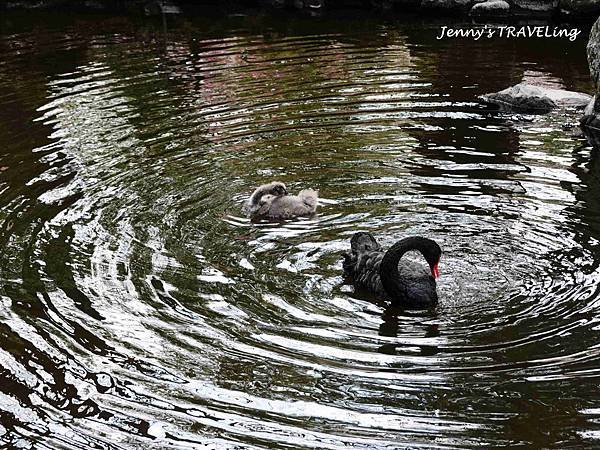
x=432, y=253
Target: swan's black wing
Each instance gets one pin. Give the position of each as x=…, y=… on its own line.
x=363, y=269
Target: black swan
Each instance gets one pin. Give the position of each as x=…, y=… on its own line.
x=272, y=201
x=406, y=284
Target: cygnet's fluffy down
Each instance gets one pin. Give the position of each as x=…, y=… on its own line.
x=271, y=201
x=275, y=188
x=288, y=206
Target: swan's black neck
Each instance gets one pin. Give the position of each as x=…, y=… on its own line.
x=392, y=283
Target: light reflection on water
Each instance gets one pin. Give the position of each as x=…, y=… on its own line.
x=140, y=309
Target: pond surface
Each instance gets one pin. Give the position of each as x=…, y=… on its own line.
x=140, y=309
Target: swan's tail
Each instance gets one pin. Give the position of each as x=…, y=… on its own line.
x=360, y=244
x=309, y=197
x=364, y=242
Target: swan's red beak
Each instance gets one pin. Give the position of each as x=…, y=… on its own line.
x=435, y=271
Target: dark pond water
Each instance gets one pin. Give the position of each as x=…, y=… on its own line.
x=140, y=309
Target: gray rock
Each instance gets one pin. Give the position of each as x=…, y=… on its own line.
x=315, y=4
x=157, y=7
x=589, y=109
x=34, y=4
x=94, y=5
x=446, y=4
x=591, y=115
x=536, y=6
x=529, y=98
x=390, y=4
x=593, y=53
x=490, y=8
x=579, y=6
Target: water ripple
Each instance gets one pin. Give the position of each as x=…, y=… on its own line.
x=139, y=308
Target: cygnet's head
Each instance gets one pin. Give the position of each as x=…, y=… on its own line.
x=277, y=189
x=272, y=201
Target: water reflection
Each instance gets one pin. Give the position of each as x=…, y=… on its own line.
x=139, y=308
